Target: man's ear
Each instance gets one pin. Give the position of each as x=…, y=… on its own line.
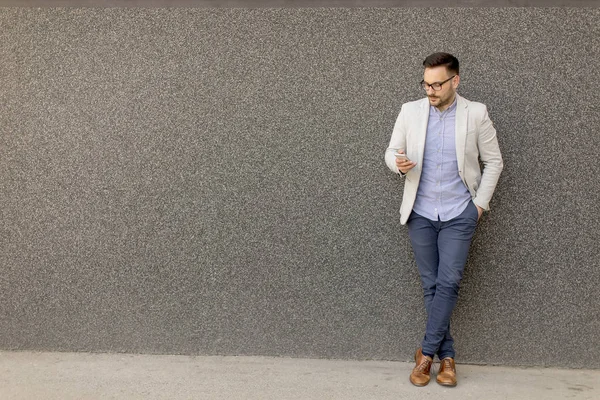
x=455, y=81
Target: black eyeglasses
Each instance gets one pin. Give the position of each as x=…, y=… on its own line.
x=435, y=86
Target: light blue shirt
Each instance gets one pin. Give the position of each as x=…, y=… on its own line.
x=441, y=195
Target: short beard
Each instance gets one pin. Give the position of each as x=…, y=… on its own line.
x=445, y=103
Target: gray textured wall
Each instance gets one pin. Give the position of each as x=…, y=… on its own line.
x=207, y=181
x=299, y=3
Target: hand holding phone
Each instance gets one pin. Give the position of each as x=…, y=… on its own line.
x=404, y=163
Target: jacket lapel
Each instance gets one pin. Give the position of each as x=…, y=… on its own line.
x=422, y=131
x=460, y=133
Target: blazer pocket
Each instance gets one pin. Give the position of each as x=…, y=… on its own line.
x=410, y=176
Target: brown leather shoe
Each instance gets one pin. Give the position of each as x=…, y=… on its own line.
x=447, y=373
x=420, y=374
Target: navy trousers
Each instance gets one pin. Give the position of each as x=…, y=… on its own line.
x=441, y=250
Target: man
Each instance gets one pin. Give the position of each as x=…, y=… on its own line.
x=436, y=146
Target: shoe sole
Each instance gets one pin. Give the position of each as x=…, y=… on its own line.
x=447, y=384
x=418, y=385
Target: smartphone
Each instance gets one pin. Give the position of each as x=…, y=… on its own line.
x=402, y=156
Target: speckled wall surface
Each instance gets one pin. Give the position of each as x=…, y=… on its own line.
x=206, y=181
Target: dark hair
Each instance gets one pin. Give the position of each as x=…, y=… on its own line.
x=442, y=59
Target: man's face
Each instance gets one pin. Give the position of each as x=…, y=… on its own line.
x=443, y=98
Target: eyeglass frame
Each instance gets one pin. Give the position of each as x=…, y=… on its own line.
x=423, y=83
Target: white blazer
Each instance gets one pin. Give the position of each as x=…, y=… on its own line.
x=475, y=140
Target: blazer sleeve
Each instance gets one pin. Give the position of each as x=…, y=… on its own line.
x=489, y=154
x=397, y=142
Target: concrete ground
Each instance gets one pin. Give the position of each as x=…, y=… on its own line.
x=29, y=375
